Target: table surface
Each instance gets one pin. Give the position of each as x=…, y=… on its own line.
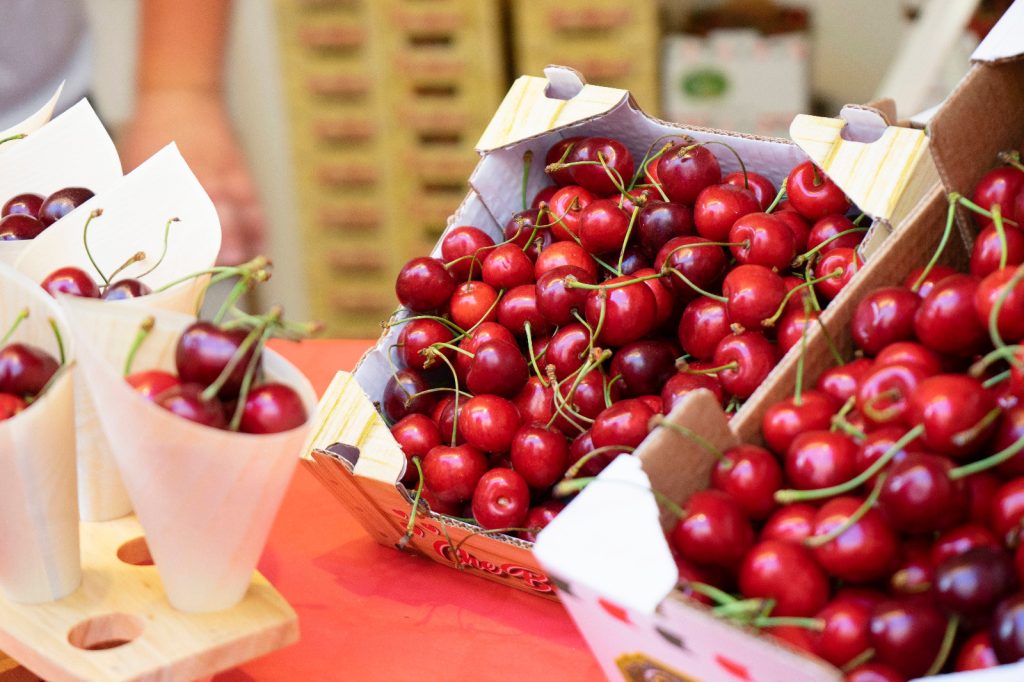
x=368, y=612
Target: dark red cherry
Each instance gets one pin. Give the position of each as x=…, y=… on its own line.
x=540, y=454
x=955, y=410
x=914, y=574
x=501, y=499
x=644, y=366
x=660, y=221
x=878, y=442
x=564, y=253
x=424, y=284
x=1000, y=186
x=204, y=350
x=557, y=299
x=946, y=320
x=907, y=635
x=865, y=551
x=992, y=289
x=820, y=459
x=919, y=496
x=404, y=394
x=566, y=205
x=152, y=383
x=24, y=204
x=561, y=152
x=971, y=584
x=787, y=573
x=934, y=276
x=603, y=227
x=1008, y=511
x=910, y=353
x=754, y=356
x=962, y=539
x=125, y=289
x=463, y=249
x=827, y=230
x=845, y=636
x=539, y=517
x=187, y=401
x=272, y=408
x=751, y=476
x=797, y=226
x=62, y=202
x=625, y=424
x=416, y=434
x=713, y=531
x=762, y=188
x=697, y=261
x=988, y=249
x=71, y=281
x=19, y=226
x=883, y=396
x=25, y=370
x=792, y=326
x=718, y=207
x=813, y=194
x=535, y=401
x=763, y=239
x=1009, y=430
x=685, y=169
x=873, y=672
x=842, y=381
x=785, y=420
x=883, y=317
x=606, y=166
x=976, y=653
x=529, y=230
x=518, y=311
x=584, y=397
x=835, y=269
x=1007, y=630
x=621, y=311
x=417, y=336
x=682, y=383
x=754, y=294
x=704, y=323
x=451, y=473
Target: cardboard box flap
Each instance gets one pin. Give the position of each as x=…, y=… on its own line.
x=610, y=538
x=1003, y=41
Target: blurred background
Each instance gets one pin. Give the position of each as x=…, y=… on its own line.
x=358, y=118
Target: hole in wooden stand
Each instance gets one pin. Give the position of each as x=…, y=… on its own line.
x=108, y=631
x=135, y=552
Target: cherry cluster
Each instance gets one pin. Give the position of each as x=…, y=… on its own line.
x=881, y=528
x=621, y=289
x=25, y=372
x=25, y=216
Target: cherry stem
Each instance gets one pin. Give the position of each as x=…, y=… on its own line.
x=1011, y=157
x=459, y=331
x=689, y=283
x=997, y=222
x=248, y=378
x=573, y=283
x=527, y=162
x=997, y=306
x=223, y=272
x=558, y=403
x=798, y=390
x=778, y=198
x=533, y=357
x=455, y=401
x=770, y=322
x=427, y=391
x=946, y=648
x=211, y=391
x=711, y=592
x=818, y=180
x=241, y=286
x=887, y=414
x=851, y=520
x=974, y=208
x=809, y=274
x=741, y=609
x=144, y=329
x=964, y=438
x=988, y=462
x=21, y=317
x=788, y=496
x=857, y=221
x=1007, y=353
x=815, y=624
x=997, y=379
x=859, y=660
x=840, y=422
x=629, y=233
x=18, y=136
x=564, y=488
x=686, y=432
x=163, y=252
x=574, y=470
x=802, y=258
x=733, y=366
x=85, y=243
x=450, y=346
x=487, y=313
x=946, y=232
x=410, y=527
x=135, y=258
x=641, y=169
x=60, y=339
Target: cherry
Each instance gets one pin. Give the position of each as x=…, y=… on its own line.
x=71, y=281
x=883, y=396
x=845, y=635
x=204, y=350
x=787, y=573
x=912, y=353
x=540, y=454
x=934, y=276
x=564, y=253
x=1000, y=186
x=622, y=312
x=659, y=221
x=568, y=349
x=797, y=637
x=971, y=584
x=713, y=530
x=988, y=249
x=792, y=327
x=463, y=249
x=404, y=394
x=624, y=424
x=10, y=405
x=704, y=323
x=820, y=459
x=419, y=335
x=684, y=170
x=841, y=382
x=489, y=423
x=962, y=539
x=919, y=496
x=272, y=408
x=424, y=284
x=915, y=574
x=946, y=320
x=644, y=366
x=501, y=499
x=1010, y=429
x=187, y=401
x=785, y=420
x=907, y=634
x=23, y=204
x=62, y=202
x=791, y=523
x=751, y=476
x=865, y=551
x=518, y=308
x=562, y=176
x=760, y=186
x=473, y=302
x=565, y=206
x=813, y=194
x=754, y=356
x=754, y=294
x=682, y=383
x=953, y=409
x=152, y=383
x=845, y=261
x=535, y=401
x=445, y=413
x=452, y=473
x=538, y=518
x=585, y=398
x=125, y=289
x=416, y=434
x=719, y=206
x=873, y=672
x=25, y=370
x=976, y=653
x=827, y=228
x=878, y=442
x=594, y=176
x=981, y=490
x=1008, y=511
x=1010, y=321
x=507, y=266
x=603, y=227
x=19, y=226
x=763, y=239
x=582, y=446
x=529, y=230
x=883, y=317
x=1007, y=630
x=664, y=301
x=699, y=261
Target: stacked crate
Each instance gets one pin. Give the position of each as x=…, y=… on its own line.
x=386, y=100
x=611, y=42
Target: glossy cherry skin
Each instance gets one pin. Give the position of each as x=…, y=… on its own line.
x=517, y=311
x=272, y=408
x=976, y=653
x=501, y=499
x=684, y=170
x=473, y=302
x=417, y=336
x=999, y=186
x=838, y=267
x=561, y=152
x=644, y=366
x=603, y=227
x=62, y=202
x=624, y=424
x=751, y=476
x=878, y=442
x=71, y=281
x=529, y=230
x=764, y=240
x=962, y=539
x=883, y=396
x=981, y=490
x=865, y=551
x=719, y=206
x=907, y=635
x=914, y=575
x=593, y=175
x=988, y=249
x=700, y=262
x=24, y=204
x=791, y=523
x=451, y=473
x=755, y=356
x=584, y=398
x=568, y=349
x=811, y=193
x=416, y=434
x=489, y=422
x=557, y=299
x=787, y=573
x=535, y=401
x=1008, y=511
x=484, y=332
x=152, y=383
x=10, y=405
x=910, y=353
x=842, y=381
x=946, y=321
x=659, y=221
x=825, y=233
x=934, y=276
x=1009, y=430
x=404, y=394
x=125, y=289
x=953, y=408
x=761, y=187
x=463, y=249
x=628, y=312
x=785, y=420
x=1010, y=320
x=678, y=385
x=25, y=369
x=1007, y=629
x=497, y=367
x=507, y=266
x=873, y=672
x=187, y=401
x=538, y=518
x=566, y=206
x=714, y=530
x=703, y=324
x=883, y=317
x=424, y=284
x=845, y=636
x=540, y=454
x=971, y=584
x=204, y=351
x=754, y=294
x=19, y=226
x=820, y=459
x=919, y=496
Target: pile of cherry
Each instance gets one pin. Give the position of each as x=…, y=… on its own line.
x=25, y=372
x=622, y=288
x=881, y=529
x=25, y=216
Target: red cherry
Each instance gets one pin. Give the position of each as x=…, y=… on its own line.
x=621, y=313
x=791, y=328
x=883, y=396
x=845, y=636
x=1010, y=320
x=765, y=240
x=152, y=383
x=686, y=169
x=704, y=323
x=272, y=408
x=10, y=405
x=204, y=351
x=907, y=634
x=624, y=424
x=934, y=276
x=953, y=409
x=538, y=518
x=762, y=188
x=842, y=381
x=754, y=294
x=820, y=459
x=719, y=206
x=518, y=308
x=564, y=253
x=846, y=262
x=682, y=383
x=873, y=672
x=791, y=523
x=419, y=335
x=700, y=262
x=787, y=573
x=607, y=157
x=125, y=289
x=910, y=353
x=424, y=284
x=501, y=499
x=754, y=355
x=187, y=401
x=558, y=153
x=644, y=366
x=1008, y=511
x=976, y=653
x=946, y=321
x=416, y=434
x=960, y=540
x=603, y=227
x=883, y=317
x=999, y=186
x=713, y=531
x=827, y=228
x=798, y=226
x=507, y=266
x=71, y=281
x=451, y=473
x=463, y=249
x=878, y=442
x=445, y=414
x=751, y=476
x=25, y=370
x=24, y=204
x=988, y=249
x=584, y=398
x=565, y=206
x=489, y=423
x=62, y=202
x=472, y=302
x=914, y=575
x=981, y=490
x=535, y=401
x=568, y=349
x=784, y=421
x=529, y=230
x=1007, y=630
x=540, y=454
x=865, y=551
x=543, y=196
x=404, y=394
x=664, y=301
x=1010, y=429
x=19, y=226
x=919, y=496
x=659, y=221
x=557, y=299
x=811, y=193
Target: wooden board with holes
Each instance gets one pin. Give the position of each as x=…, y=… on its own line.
x=119, y=625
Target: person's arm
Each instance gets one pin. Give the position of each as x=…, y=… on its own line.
x=180, y=98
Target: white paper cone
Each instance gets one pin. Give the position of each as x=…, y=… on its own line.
x=72, y=150
x=40, y=558
x=206, y=498
x=33, y=123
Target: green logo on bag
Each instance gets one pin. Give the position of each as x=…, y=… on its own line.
x=705, y=83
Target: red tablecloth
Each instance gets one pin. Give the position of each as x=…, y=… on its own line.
x=368, y=612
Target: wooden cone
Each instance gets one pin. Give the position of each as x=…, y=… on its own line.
x=205, y=497
x=40, y=560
